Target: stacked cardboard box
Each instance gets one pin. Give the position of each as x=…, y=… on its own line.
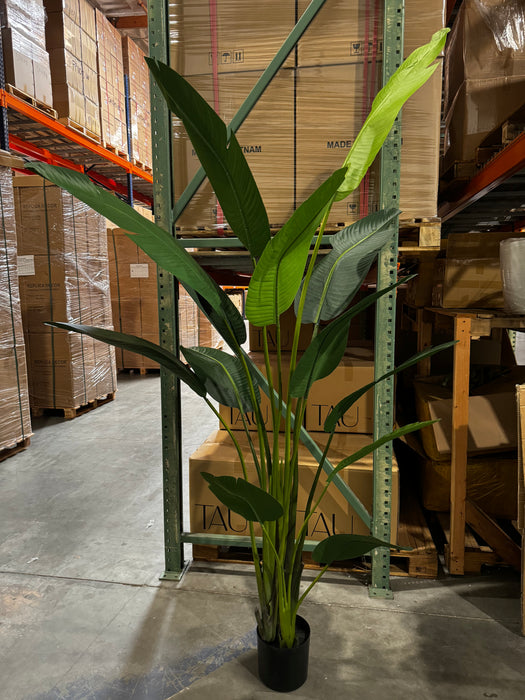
x=484, y=74
x=63, y=274
x=134, y=300
x=26, y=61
x=72, y=46
x=111, y=86
x=470, y=276
x=15, y=423
x=308, y=117
x=139, y=92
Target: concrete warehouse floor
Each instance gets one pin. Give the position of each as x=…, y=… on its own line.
x=83, y=614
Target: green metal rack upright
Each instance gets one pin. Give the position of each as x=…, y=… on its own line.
x=166, y=213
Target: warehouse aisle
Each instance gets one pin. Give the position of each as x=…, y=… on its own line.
x=83, y=614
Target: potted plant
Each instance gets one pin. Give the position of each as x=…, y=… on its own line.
x=286, y=271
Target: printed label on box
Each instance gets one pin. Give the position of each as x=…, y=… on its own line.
x=139, y=270
x=26, y=265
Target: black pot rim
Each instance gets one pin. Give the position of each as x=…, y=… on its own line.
x=300, y=623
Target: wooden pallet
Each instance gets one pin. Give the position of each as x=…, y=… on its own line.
x=421, y=562
x=113, y=149
x=422, y=235
x=141, y=165
x=30, y=99
x=7, y=452
x=477, y=554
x=79, y=128
x=72, y=412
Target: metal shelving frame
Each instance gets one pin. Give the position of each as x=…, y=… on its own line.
x=166, y=214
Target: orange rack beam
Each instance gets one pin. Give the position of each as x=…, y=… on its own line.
x=8, y=100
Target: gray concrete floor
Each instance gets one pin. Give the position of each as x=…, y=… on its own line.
x=84, y=615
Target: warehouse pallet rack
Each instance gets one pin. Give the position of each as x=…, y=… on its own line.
x=167, y=213
x=32, y=130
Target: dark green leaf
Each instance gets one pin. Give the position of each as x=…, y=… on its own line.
x=338, y=276
x=153, y=240
x=244, y=498
x=221, y=157
x=342, y=407
x=223, y=376
x=342, y=547
x=142, y=347
x=325, y=351
x=408, y=78
x=277, y=275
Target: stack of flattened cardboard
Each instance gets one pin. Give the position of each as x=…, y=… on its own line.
x=305, y=122
x=492, y=441
x=139, y=102
x=111, y=85
x=72, y=45
x=484, y=74
x=15, y=424
x=353, y=431
x=63, y=276
x=26, y=61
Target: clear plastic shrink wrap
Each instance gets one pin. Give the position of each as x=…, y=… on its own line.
x=484, y=73
x=111, y=85
x=64, y=276
x=139, y=93
x=15, y=420
x=304, y=124
x=26, y=61
x=134, y=300
x=72, y=44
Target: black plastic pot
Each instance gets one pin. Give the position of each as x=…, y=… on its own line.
x=285, y=670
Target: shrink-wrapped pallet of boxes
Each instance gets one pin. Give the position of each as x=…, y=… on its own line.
x=139, y=102
x=15, y=422
x=308, y=117
x=26, y=61
x=72, y=46
x=484, y=74
x=111, y=86
x=63, y=276
x=134, y=300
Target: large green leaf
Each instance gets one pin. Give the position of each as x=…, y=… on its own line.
x=152, y=239
x=338, y=276
x=142, y=347
x=277, y=275
x=408, y=78
x=342, y=547
x=223, y=376
x=221, y=157
x=342, y=407
x=325, y=351
x=244, y=498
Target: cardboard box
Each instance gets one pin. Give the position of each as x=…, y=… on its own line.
x=218, y=456
x=486, y=42
x=491, y=421
x=470, y=277
x=18, y=64
x=16, y=420
x=266, y=137
x=354, y=371
x=287, y=323
x=244, y=41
